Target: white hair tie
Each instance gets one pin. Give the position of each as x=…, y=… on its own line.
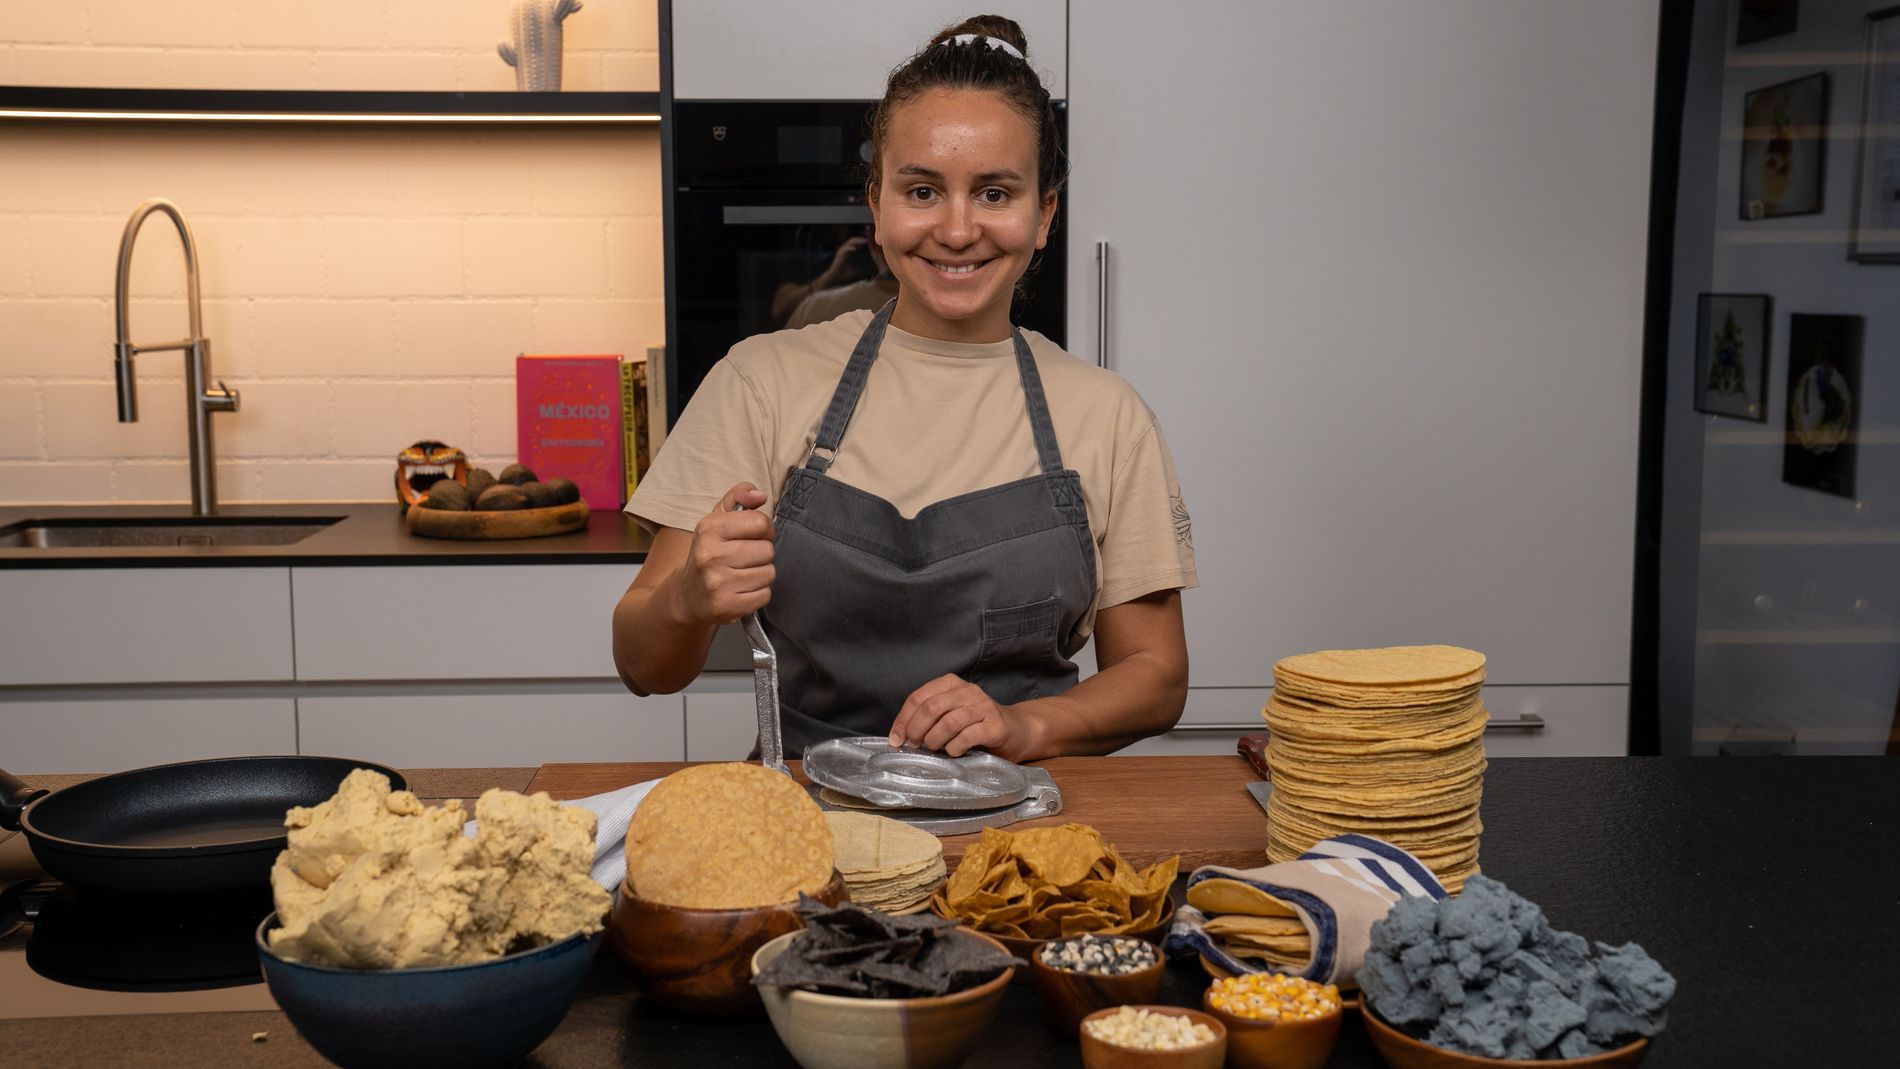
x=994, y=42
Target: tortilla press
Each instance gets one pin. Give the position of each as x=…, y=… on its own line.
x=941, y=794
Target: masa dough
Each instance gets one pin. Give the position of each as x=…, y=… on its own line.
x=373, y=879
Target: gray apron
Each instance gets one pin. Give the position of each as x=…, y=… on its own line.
x=867, y=606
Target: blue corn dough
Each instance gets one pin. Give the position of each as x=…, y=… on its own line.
x=1485, y=973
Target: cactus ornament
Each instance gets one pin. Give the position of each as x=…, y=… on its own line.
x=536, y=52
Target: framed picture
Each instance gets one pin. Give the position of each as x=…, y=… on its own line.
x=1731, y=355
x=1784, y=148
x=1758, y=20
x=1823, y=414
x=1875, y=238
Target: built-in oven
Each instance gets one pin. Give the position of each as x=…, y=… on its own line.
x=761, y=195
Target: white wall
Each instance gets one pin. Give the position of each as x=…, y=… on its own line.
x=1781, y=605
x=436, y=45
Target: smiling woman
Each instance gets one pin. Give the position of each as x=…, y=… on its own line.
x=929, y=575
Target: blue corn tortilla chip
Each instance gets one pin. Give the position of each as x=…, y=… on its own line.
x=855, y=951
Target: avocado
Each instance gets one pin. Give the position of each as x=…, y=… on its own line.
x=565, y=492
x=479, y=480
x=501, y=498
x=540, y=495
x=448, y=494
x=516, y=474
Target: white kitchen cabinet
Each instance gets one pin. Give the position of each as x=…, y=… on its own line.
x=831, y=49
x=87, y=732
x=722, y=717
x=1525, y=721
x=143, y=625
x=456, y=622
x=493, y=725
x=1389, y=316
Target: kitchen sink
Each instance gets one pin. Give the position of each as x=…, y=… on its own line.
x=93, y=532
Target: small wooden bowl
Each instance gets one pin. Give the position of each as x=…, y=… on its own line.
x=1255, y=1044
x=700, y=960
x=1101, y=1054
x=1026, y=948
x=841, y=1032
x=1070, y=996
x=497, y=523
x=1401, y=1051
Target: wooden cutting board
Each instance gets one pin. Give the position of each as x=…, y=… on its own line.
x=1148, y=807
x=515, y=523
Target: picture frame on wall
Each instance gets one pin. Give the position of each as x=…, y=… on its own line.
x=1758, y=20
x=1822, y=419
x=1731, y=354
x=1784, y=148
x=1875, y=236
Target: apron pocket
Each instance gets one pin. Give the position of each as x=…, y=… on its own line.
x=1017, y=640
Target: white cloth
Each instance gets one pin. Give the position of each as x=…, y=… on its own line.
x=614, y=811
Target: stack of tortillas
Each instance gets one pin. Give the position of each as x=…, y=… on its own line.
x=887, y=864
x=1387, y=743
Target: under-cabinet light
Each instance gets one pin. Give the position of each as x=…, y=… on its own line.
x=323, y=117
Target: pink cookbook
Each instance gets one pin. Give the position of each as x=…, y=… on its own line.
x=567, y=423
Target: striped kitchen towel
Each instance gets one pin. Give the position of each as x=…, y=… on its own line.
x=1337, y=889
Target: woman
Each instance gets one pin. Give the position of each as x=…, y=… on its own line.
x=994, y=503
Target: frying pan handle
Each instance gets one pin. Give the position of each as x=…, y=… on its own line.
x=14, y=798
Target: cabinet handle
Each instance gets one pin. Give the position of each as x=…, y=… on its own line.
x=1527, y=722
x=1211, y=728
x=1101, y=304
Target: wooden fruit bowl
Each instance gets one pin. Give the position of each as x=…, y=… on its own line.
x=514, y=523
x=700, y=960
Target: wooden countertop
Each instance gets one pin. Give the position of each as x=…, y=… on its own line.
x=1148, y=807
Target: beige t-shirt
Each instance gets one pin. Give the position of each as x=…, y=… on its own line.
x=936, y=419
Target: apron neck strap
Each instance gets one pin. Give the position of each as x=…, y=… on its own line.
x=844, y=400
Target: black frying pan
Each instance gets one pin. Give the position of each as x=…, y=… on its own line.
x=173, y=829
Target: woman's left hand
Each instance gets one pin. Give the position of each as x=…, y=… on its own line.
x=952, y=714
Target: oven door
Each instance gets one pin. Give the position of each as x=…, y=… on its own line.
x=746, y=255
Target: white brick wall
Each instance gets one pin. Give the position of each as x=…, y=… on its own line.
x=440, y=45
x=364, y=287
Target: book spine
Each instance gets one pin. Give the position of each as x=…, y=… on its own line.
x=629, y=426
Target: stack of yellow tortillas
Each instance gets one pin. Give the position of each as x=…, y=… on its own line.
x=1387, y=743
x=887, y=864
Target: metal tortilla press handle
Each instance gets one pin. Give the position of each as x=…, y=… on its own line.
x=14, y=798
x=765, y=689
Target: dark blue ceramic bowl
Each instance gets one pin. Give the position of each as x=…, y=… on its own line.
x=491, y=1013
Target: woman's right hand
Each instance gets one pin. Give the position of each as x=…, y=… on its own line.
x=728, y=568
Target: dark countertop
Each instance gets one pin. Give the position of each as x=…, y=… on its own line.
x=366, y=533
x=1766, y=885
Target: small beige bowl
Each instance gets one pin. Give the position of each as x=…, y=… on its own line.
x=840, y=1032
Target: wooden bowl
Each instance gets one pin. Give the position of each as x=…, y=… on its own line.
x=699, y=960
x=510, y=523
x=1401, y=1051
x=1026, y=948
x=1101, y=1054
x=840, y=1032
x=1255, y=1044
x=1070, y=996
x=1348, y=1000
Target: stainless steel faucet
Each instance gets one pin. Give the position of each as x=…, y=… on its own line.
x=200, y=402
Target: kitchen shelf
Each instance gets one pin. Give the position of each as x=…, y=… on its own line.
x=60, y=104
x=1856, y=636
x=1887, y=536
x=1781, y=438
